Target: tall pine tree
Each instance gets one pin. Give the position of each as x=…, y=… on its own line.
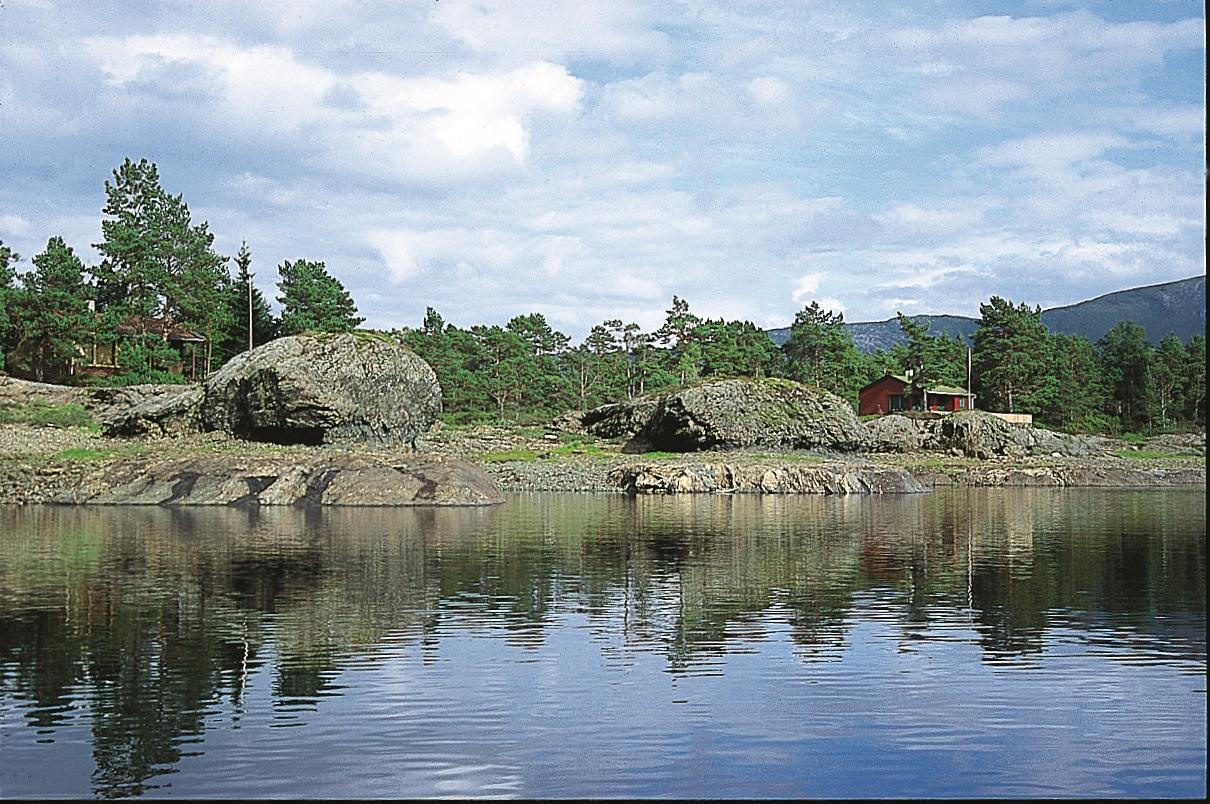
x=51, y=312
x=314, y=300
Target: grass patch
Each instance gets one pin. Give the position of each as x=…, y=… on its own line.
x=40, y=414
x=579, y=448
x=1153, y=455
x=787, y=457
x=85, y=454
x=509, y=455
x=1133, y=438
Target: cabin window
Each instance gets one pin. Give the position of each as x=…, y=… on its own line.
x=898, y=403
x=103, y=354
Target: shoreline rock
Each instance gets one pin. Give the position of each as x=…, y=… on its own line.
x=330, y=479
x=724, y=478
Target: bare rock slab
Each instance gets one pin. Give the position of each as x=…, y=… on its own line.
x=300, y=481
x=716, y=478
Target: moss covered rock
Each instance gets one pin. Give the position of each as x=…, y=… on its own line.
x=324, y=389
x=736, y=413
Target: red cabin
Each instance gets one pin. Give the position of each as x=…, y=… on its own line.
x=893, y=394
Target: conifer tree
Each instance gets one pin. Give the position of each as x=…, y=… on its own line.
x=314, y=300
x=51, y=313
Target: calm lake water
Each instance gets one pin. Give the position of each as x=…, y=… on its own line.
x=960, y=643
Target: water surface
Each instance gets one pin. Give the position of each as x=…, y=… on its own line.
x=961, y=643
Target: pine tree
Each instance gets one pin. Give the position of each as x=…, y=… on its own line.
x=1126, y=363
x=51, y=312
x=1013, y=359
x=677, y=332
x=1168, y=371
x=8, y=259
x=821, y=351
x=239, y=293
x=314, y=300
x=1193, y=385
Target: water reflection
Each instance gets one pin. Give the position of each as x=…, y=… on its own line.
x=145, y=626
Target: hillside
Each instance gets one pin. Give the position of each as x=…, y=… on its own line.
x=1176, y=307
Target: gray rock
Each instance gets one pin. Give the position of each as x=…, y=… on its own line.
x=973, y=434
x=1040, y=441
x=300, y=480
x=716, y=478
x=168, y=410
x=620, y=419
x=727, y=414
x=324, y=389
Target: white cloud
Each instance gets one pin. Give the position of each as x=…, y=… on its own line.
x=806, y=287
x=769, y=90
x=553, y=29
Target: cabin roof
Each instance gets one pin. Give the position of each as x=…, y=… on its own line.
x=949, y=390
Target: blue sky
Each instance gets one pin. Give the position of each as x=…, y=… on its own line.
x=588, y=161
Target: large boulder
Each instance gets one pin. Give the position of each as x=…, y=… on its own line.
x=318, y=389
x=729, y=414
x=973, y=434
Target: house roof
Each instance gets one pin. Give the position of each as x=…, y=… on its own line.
x=949, y=390
x=156, y=326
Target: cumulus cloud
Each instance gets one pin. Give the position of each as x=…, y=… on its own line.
x=490, y=158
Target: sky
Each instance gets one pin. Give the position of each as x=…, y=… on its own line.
x=588, y=161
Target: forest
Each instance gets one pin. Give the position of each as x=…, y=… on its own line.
x=159, y=272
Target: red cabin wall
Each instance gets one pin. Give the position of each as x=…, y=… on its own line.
x=876, y=398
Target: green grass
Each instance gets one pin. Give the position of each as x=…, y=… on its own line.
x=85, y=454
x=579, y=448
x=43, y=415
x=1133, y=438
x=787, y=457
x=1153, y=455
x=509, y=455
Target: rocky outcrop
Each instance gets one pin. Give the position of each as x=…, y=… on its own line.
x=324, y=389
x=297, y=480
x=715, y=478
x=156, y=410
x=974, y=435
x=302, y=389
x=1069, y=476
x=620, y=419
x=727, y=414
x=1039, y=441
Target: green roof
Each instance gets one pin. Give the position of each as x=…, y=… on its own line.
x=936, y=389
x=948, y=389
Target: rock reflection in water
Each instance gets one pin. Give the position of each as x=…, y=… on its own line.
x=146, y=624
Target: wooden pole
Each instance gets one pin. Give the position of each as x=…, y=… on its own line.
x=969, y=404
x=249, y=311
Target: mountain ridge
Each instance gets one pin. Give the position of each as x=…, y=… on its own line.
x=1177, y=307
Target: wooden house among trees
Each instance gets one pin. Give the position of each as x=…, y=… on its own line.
x=97, y=356
x=894, y=393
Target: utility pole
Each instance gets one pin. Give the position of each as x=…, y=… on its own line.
x=969, y=403
x=249, y=311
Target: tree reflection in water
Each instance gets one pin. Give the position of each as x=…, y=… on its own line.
x=149, y=617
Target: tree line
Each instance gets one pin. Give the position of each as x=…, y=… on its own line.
x=158, y=265
x=527, y=371
x=159, y=274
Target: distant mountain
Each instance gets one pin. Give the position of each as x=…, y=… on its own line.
x=1177, y=308
x=1173, y=308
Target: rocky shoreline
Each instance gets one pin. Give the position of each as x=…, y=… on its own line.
x=74, y=465
x=77, y=464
